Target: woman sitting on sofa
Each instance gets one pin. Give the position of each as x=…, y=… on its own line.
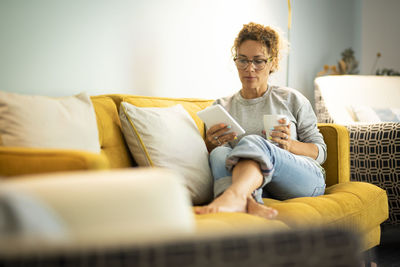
x=248, y=167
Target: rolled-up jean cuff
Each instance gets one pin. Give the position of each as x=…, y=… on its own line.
x=221, y=184
x=257, y=195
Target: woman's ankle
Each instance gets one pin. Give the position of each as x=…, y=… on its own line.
x=231, y=192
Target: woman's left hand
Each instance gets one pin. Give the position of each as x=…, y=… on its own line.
x=281, y=135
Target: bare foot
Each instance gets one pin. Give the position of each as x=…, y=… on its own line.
x=227, y=202
x=255, y=208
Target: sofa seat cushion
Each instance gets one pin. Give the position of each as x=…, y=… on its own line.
x=356, y=206
x=235, y=221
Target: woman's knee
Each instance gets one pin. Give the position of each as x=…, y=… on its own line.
x=252, y=138
x=218, y=155
x=255, y=140
x=218, y=161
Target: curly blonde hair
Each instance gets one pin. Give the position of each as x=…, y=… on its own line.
x=266, y=35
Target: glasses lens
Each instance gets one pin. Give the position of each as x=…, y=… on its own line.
x=241, y=63
x=259, y=64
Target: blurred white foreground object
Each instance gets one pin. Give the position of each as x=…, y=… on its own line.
x=98, y=208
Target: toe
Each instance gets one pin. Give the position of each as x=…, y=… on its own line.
x=260, y=210
x=272, y=213
x=199, y=210
x=204, y=210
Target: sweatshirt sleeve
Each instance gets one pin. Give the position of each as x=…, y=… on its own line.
x=308, y=132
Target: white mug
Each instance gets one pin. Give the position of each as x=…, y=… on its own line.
x=270, y=121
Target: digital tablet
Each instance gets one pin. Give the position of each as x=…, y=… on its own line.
x=217, y=114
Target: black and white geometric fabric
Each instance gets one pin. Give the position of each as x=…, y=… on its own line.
x=320, y=108
x=375, y=158
x=374, y=155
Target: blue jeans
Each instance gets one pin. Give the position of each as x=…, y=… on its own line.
x=285, y=175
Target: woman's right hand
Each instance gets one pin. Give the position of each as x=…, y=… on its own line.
x=217, y=135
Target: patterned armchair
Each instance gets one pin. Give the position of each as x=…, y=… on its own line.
x=374, y=147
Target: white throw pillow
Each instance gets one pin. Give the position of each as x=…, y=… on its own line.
x=168, y=137
x=388, y=114
x=375, y=115
x=365, y=114
x=47, y=122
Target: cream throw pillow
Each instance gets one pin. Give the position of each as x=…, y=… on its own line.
x=168, y=137
x=46, y=122
x=364, y=114
x=375, y=115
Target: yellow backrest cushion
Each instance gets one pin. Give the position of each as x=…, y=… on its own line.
x=111, y=139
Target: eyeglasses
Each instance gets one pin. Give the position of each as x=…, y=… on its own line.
x=258, y=64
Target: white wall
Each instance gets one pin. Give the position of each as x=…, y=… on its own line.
x=321, y=31
x=153, y=47
x=380, y=33
x=176, y=48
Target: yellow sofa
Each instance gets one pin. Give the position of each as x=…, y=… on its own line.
x=355, y=206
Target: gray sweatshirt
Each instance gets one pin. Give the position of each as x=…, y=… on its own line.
x=277, y=100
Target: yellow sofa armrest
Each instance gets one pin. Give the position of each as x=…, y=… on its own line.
x=337, y=164
x=20, y=160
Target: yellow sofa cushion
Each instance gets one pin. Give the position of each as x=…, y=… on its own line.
x=234, y=221
x=21, y=160
x=112, y=142
x=357, y=206
x=337, y=164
